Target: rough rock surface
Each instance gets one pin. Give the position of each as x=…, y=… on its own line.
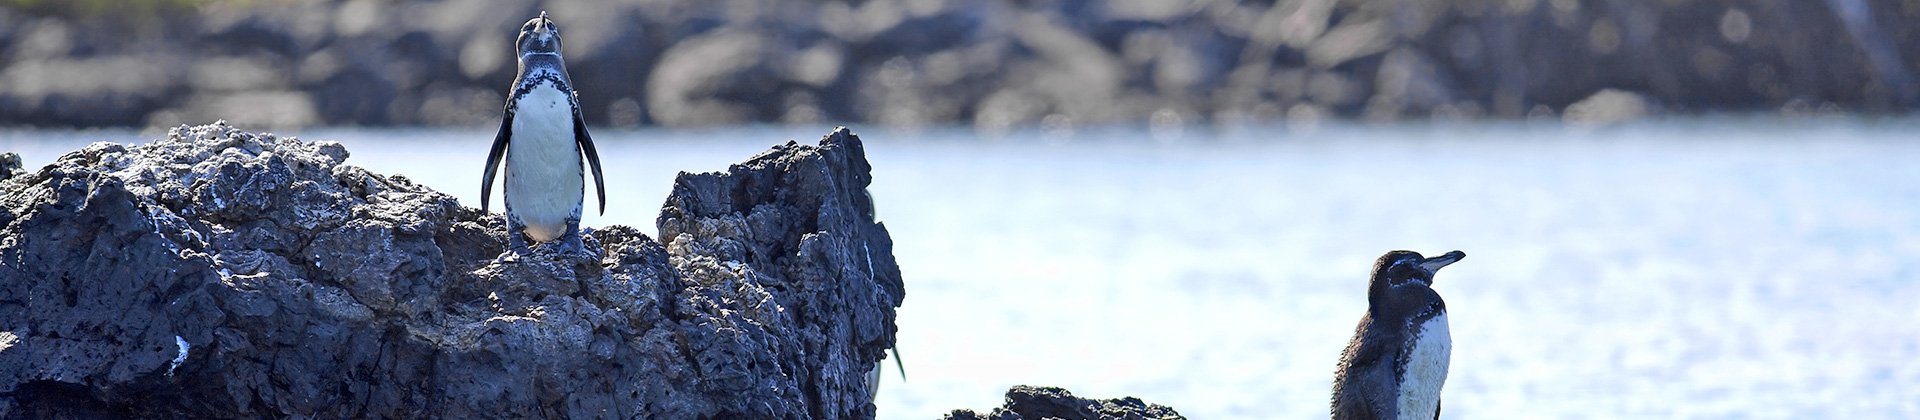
x=224, y=274
x=1028, y=402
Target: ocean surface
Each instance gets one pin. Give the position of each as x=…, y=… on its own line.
x=1695, y=268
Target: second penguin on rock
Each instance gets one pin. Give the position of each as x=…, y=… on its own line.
x=1396, y=363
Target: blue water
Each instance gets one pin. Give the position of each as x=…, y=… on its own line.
x=1724, y=267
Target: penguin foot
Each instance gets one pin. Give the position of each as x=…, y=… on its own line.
x=573, y=241
x=515, y=250
x=516, y=247
x=507, y=257
x=573, y=246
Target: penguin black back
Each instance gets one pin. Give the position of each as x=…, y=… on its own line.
x=1396, y=361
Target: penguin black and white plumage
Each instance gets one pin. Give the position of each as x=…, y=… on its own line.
x=1397, y=361
x=541, y=141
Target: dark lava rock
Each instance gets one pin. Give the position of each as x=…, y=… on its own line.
x=9, y=164
x=219, y=273
x=1029, y=402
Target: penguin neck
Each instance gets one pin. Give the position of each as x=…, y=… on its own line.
x=1376, y=292
x=537, y=66
x=534, y=78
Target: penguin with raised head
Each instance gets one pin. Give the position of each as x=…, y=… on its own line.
x=541, y=141
x=1397, y=361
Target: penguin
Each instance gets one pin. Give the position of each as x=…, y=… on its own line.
x=1395, y=364
x=873, y=375
x=541, y=140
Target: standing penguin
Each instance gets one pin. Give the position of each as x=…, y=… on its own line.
x=545, y=187
x=1397, y=361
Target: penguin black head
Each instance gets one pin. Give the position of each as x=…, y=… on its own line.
x=539, y=36
x=1398, y=267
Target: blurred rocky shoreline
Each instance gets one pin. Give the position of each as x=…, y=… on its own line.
x=992, y=65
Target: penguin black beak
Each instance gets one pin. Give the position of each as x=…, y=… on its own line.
x=545, y=23
x=1434, y=264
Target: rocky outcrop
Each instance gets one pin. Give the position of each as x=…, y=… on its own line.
x=993, y=64
x=1029, y=402
x=219, y=273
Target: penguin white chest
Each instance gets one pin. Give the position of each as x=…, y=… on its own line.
x=545, y=184
x=1426, y=369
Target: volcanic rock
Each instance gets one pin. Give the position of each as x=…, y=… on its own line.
x=217, y=273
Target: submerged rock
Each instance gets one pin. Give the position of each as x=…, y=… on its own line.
x=1029, y=402
x=220, y=273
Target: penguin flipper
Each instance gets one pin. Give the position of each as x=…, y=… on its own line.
x=495, y=157
x=899, y=363
x=581, y=137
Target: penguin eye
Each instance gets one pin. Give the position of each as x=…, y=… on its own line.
x=1407, y=268
x=1401, y=264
